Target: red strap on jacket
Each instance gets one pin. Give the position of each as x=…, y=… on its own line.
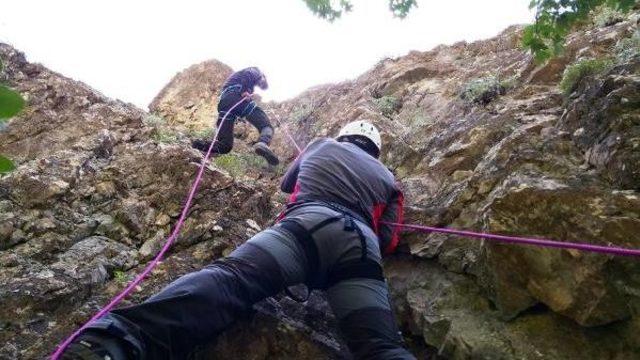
x=395, y=234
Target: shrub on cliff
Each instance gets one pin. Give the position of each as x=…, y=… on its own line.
x=388, y=105
x=485, y=89
x=580, y=70
x=628, y=48
x=606, y=16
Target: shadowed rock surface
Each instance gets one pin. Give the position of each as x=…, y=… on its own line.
x=480, y=136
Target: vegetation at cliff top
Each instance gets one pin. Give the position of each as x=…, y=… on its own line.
x=544, y=38
x=624, y=51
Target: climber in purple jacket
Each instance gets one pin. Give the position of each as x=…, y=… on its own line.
x=238, y=86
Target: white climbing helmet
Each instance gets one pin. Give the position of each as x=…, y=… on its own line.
x=362, y=128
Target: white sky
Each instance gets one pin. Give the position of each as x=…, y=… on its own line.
x=129, y=49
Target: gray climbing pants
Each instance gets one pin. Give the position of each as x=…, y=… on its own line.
x=194, y=309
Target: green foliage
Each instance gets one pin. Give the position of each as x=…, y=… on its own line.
x=202, y=134
x=576, y=72
x=164, y=136
x=555, y=18
x=332, y=10
x=6, y=165
x=237, y=164
x=120, y=277
x=628, y=48
x=11, y=103
x=388, y=105
x=154, y=120
x=160, y=133
x=485, y=89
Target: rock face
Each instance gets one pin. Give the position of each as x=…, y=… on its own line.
x=479, y=135
x=93, y=199
x=189, y=99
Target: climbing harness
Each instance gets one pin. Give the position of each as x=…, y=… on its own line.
x=185, y=210
x=246, y=110
x=358, y=268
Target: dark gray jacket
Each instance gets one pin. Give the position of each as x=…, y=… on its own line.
x=343, y=174
x=246, y=79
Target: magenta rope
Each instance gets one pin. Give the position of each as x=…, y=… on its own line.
x=610, y=250
x=170, y=240
x=286, y=131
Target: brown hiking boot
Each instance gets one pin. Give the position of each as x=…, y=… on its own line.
x=263, y=150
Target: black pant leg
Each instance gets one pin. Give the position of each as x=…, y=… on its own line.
x=259, y=119
x=225, y=132
x=366, y=319
x=194, y=309
x=224, y=142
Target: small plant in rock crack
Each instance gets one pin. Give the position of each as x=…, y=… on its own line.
x=120, y=277
x=160, y=133
x=164, y=136
x=238, y=164
x=576, y=72
x=486, y=89
x=387, y=105
x=202, y=134
x=154, y=120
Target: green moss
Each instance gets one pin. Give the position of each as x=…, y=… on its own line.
x=387, y=105
x=238, y=164
x=201, y=134
x=164, y=136
x=576, y=72
x=160, y=133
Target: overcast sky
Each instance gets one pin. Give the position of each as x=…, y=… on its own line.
x=129, y=49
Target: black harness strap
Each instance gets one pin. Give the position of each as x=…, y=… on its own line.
x=367, y=269
x=305, y=238
x=360, y=268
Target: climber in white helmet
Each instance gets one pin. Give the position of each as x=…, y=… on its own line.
x=331, y=237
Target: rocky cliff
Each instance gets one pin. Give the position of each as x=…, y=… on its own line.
x=481, y=137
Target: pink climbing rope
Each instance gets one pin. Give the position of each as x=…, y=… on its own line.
x=610, y=250
x=170, y=240
x=286, y=131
